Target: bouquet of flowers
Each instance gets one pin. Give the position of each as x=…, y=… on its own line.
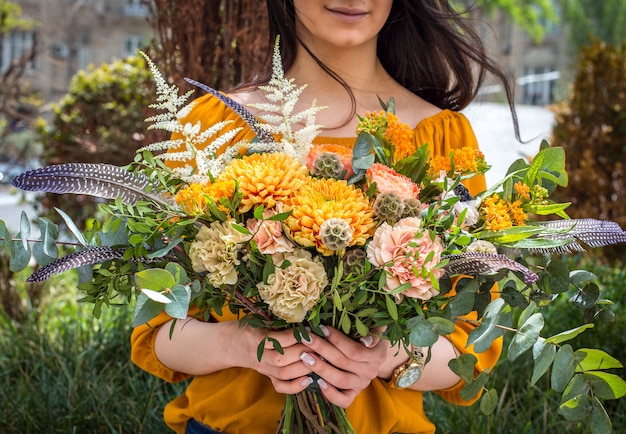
x=291, y=235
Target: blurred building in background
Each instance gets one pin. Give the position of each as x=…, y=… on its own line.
x=75, y=33
x=71, y=34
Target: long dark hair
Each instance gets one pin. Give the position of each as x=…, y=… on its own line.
x=425, y=45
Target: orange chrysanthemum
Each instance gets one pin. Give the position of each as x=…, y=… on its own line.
x=437, y=164
x=500, y=214
x=465, y=160
x=193, y=199
x=323, y=199
x=266, y=179
x=401, y=136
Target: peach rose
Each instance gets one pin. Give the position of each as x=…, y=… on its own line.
x=402, y=250
x=388, y=180
x=344, y=153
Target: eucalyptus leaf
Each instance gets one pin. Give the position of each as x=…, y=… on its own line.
x=606, y=385
x=563, y=368
x=543, y=355
x=472, y=389
x=526, y=336
x=21, y=256
x=5, y=239
x=24, y=230
x=600, y=422
x=488, y=322
x=145, y=310
x=49, y=232
x=577, y=408
x=464, y=366
x=423, y=333
x=72, y=227
x=578, y=385
x=586, y=297
x=180, y=297
x=156, y=279
x=568, y=334
x=489, y=401
x=156, y=296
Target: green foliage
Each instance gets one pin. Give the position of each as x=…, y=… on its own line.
x=61, y=371
x=591, y=19
x=591, y=127
x=11, y=17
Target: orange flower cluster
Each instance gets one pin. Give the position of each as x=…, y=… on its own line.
x=500, y=214
x=522, y=190
x=465, y=160
x=402, y=137
x=194, y=198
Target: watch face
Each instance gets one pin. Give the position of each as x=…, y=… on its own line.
x=408, y=377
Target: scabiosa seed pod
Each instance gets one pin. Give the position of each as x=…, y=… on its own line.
x=388, y=207
x=336, y=233
x=482, y=246
x=354, y=261
x=328, y=165
x=412, y=208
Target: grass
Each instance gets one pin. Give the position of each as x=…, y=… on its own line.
x=62, y=371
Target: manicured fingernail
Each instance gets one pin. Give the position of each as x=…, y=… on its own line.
x=307, y=358
x=324, y=330
x=307, y=340
x=367, y=340
x=323, y=385
x=307, y=382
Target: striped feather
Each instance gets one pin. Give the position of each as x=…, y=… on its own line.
x=592, y=232
x=243, y=112
x=479, y=263
x=90, y=256
x=94, y=179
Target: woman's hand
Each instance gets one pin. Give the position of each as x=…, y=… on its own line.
x=286, y=371
x=345, y=366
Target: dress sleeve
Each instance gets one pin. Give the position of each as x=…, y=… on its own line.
x=446, y=131
x=143, y=354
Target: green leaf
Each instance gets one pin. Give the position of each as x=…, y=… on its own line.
x=442, y=326
x=489, y=401
x=489, y=321
x=472, y=389
x=156, y=279
x=258, y=212
x=543, y=355
x=526, y=336
x=361, y=329
x=165, y=250
x=577, y=408
x=591, y=359
x=423, y=333
x=72, y=227
x=21, y=256
x=600, y=422
x=578, y=385
x=568, y=334
x=25, y=230
x=563, y=368
x=557, y=276
x=551, y=208
x=5, y=239
x=392, y=308
x=586, y=297
x=464, y=366
x=145, y=310
x=179, y=298
x=580, y=278
x=606, y=385
x=180, y=276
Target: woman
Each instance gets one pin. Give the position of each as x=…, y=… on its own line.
x=351, y=54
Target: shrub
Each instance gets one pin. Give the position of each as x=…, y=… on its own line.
x=591, y=128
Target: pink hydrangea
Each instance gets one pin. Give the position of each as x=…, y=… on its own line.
x=402, y=249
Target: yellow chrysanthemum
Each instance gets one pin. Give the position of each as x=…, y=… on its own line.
x=266, y=179
x=193, y=198
x=468, y=159
x=401, y=136
x=500, y=214
x=323, y=199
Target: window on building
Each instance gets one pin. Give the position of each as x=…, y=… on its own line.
x=135, y=8
x=132, y=43
x=538, y=84
x=15, y=44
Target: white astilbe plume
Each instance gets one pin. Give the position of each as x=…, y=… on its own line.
x=193, y=136
x=279, y=117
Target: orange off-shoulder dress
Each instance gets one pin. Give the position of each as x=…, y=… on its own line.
x=239, y=400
